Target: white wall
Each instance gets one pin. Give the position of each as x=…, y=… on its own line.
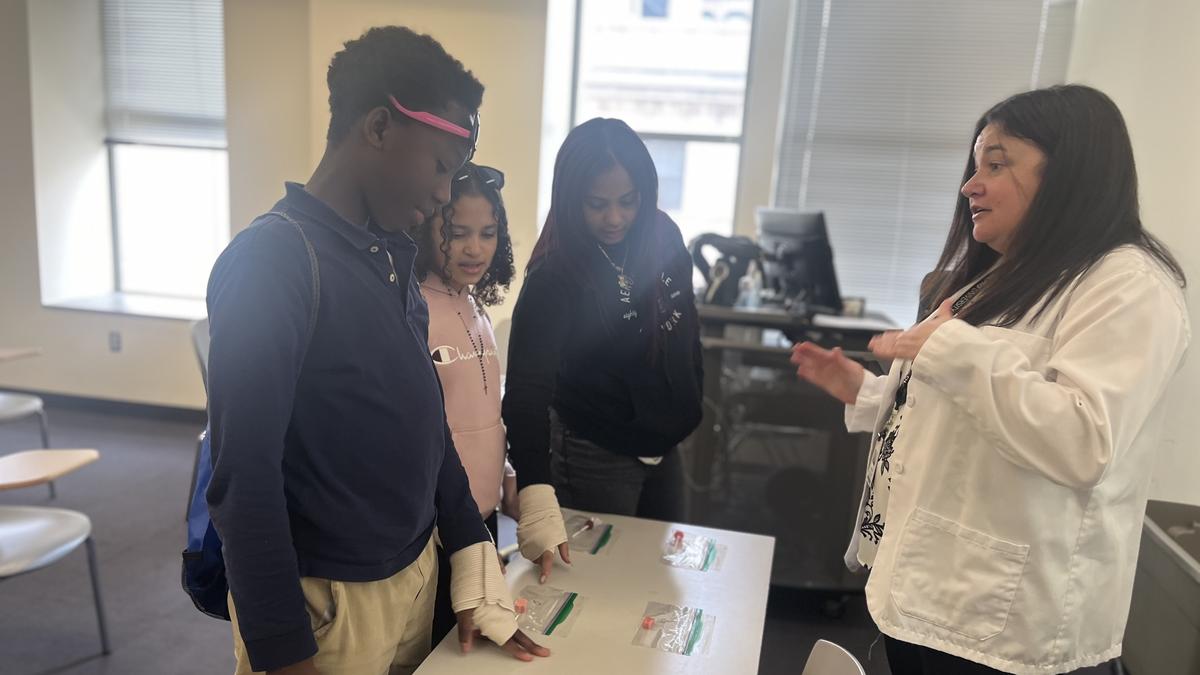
x=556, y=96
x=1145, y=54
x=70, y=158
x=765, y=94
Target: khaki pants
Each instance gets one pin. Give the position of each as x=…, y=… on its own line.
x=368, y=628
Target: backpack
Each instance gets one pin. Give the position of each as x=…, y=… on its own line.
x=203, y=574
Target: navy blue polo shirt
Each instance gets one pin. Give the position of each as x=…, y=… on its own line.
x=332, y=457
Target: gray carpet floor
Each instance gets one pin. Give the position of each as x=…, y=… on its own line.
x=136, y=496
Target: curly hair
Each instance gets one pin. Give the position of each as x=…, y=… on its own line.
x=395, y=60
x=496, y=280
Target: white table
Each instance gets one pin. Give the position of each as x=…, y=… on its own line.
x=614, y=587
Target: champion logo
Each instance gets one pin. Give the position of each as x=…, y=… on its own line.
x=445, y=355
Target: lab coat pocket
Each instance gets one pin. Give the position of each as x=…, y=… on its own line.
x=956, y=578
x=1035, y=347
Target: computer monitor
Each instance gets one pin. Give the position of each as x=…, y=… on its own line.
x=798, y=260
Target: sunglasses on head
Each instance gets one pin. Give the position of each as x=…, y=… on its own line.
x=486, y=175
x=442, y=124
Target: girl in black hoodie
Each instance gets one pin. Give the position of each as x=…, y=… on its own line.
x=604, y=366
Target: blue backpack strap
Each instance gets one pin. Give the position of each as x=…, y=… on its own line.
x=203, y=573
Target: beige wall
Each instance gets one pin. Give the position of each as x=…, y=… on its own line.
x=503, y=43
x=156, y=364
x=267, y=98
x=276, y=55
x=1146, y=56
x=277, y=52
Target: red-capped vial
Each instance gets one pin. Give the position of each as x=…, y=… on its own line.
x=520, y=605
x=678, y=537
x=647, y=623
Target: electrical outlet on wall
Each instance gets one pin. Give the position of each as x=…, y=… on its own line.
x=114, y=341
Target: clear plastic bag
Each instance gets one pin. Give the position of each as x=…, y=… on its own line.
x=677, y=630
x=545, y=610
x=588, y=534
x=693, y=552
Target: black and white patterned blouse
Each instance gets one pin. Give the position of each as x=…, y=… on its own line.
x=879, y=480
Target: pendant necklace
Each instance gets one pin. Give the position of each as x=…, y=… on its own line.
x=623, y=280
x=478, y=347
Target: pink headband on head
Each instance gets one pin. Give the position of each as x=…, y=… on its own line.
x=431, y=119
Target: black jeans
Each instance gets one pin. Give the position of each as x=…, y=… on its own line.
x=588, y=477
x=443, y=616
x=909, y=659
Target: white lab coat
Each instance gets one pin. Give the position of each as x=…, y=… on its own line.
x=1020, y=478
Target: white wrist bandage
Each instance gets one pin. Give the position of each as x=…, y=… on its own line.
x=541, y=528
x=477, y=583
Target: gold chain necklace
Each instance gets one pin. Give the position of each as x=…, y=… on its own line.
x=623, y=280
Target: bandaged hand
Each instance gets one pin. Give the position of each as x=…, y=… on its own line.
x=482, y=603
x=477, y=583
x=541, y=528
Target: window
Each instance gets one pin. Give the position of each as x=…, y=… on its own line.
x=676, y=72
x=669, y=157
x=165, y=104
x=654, y=8
x=881, y=103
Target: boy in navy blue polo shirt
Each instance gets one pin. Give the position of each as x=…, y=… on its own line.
x=332, y=460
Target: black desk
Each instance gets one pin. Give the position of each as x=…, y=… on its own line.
x=849, y=333
x=803, y=491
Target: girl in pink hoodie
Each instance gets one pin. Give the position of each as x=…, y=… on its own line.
x=465, y=263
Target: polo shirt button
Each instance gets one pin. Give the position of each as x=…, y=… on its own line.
x=374, y=249
x=392, y=278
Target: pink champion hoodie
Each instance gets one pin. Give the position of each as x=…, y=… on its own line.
x=463, y=347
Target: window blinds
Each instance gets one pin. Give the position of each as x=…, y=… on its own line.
x=881, y=103
x=164, y=68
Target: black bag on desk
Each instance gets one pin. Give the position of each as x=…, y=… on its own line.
x=722, y=277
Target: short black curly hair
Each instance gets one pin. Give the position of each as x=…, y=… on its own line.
x=395, y=60
x=490, y=290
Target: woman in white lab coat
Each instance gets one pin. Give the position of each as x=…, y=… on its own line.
x=1014, y=436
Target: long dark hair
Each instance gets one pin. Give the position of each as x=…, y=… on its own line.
x=591, y=149
x=1086, y=206
x=470, y=180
